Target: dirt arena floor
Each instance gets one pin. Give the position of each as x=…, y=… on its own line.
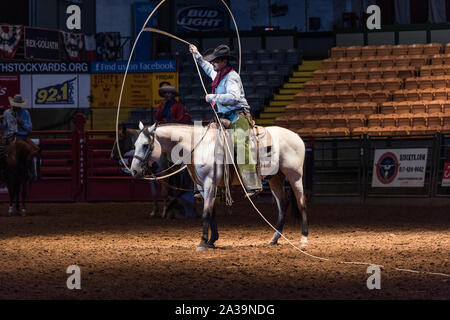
x=124, y=254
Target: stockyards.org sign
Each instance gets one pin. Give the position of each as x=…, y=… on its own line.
x=196, y=16
x=399, y=167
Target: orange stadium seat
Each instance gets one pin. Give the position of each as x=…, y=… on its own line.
x=358, y=85
x=384, y=50
x=388, y=107
x=418, y=60
x=320, y=109
x=426, y=71
x=368, y=51
x=356, y=121
x=432, y=48
x=418, y=107
x=440, y=94
x=434, y=106
x=353, y=51
x=346, y=96
x=389, y=73
x=425, y=83
x=310, y=121
x=282, y=121
x=295, y=122
x=305, y=109
x=301, y=98
x=447, y=48
x=291, y=110
x=426, y=94
x=439, y=82
x=338, y=52
x=367, y=108
x=411, y=83
x=363, y=96
x=435, y=119
x=372, y=62
x=340, y=121
x=375, y=73
x=357, y=62
x=381, y=96
x=402, y=61
x=316, y=97
x=446, y=58
x=329, y=63
x=390, y=120
x=415, y=49
x=400, y=95
x=414, y=95
x=343, y=63
x=332, y=75
x=326, y=86
x=374, y=131
x=342, y=85
x=319, y=75
x=339, y=132
x=346, y=74
x=403, y=107
x=445, y=106
x=304, y=132
x=321, y=132
x=329, y=97
x=375, y=120
x=404, y=119
x=350, y=108
x=324, y=121
x=386, y=62
x=399, y=50
x=374, y=85
x=359, y=131
x=437, y=59
x=311, y=86
x=360, y=73
x=405, y=72
x=392, y=84
x=335, y=109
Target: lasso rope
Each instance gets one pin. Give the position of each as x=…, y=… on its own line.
x=222, y=131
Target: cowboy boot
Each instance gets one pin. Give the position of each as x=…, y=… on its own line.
x=252, y=182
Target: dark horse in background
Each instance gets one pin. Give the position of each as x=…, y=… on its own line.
x=19, y=165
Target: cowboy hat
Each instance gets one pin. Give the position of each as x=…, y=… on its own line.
x=222, y=51
x=166, y=88
x=17, y=101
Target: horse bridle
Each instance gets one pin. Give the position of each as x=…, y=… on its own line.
x=151, y=146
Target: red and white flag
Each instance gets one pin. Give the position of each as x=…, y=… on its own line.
x=10, y=36
x=74, y=45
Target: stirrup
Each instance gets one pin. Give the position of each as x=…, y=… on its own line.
x=253, y=193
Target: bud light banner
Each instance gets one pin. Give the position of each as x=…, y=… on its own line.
x=201, y=16
x=399, y=167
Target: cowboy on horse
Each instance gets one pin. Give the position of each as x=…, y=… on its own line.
x=16, y=124
x=229, y=98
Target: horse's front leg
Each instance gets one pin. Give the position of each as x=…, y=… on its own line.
x=276, y=184
x=208, y=206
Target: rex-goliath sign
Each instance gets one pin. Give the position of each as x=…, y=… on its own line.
x=195, y=16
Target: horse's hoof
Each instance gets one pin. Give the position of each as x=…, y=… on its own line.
x=211, y=246
x=273, y=243
x=304, y=242
x=202, y=248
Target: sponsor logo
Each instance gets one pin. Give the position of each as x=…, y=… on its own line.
x=387, y=168
x=200, y=18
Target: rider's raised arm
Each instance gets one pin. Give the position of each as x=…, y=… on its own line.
x=206, y=66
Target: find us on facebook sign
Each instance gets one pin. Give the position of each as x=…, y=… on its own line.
x=135, y=66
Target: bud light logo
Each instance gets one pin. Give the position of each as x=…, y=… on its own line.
x=199, y=18
x=387, y=168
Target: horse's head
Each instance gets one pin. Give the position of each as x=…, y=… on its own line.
x=146, y=151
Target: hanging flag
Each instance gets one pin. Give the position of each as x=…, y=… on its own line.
x=74, y=45
x=10, y=36
x=108, y=46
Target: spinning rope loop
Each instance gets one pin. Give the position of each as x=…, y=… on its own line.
x=222, y=131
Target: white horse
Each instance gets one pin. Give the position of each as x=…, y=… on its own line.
x=288, y=152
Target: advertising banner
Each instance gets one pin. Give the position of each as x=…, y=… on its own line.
x=142, y=10
x=446, y=175
x=44, y=67
x=41, y=44
x=135, y=66
x=56, y=91
x=9, y=86
x=194, y=15
x=161, y=79
x=399, y=167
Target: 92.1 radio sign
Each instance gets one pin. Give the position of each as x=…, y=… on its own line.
x=62, y=93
